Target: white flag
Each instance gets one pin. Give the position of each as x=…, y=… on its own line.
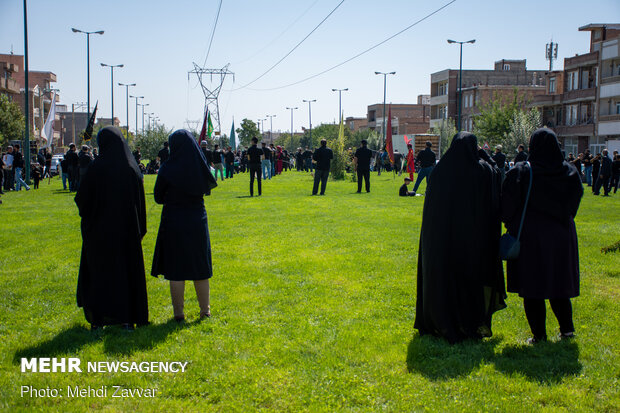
x=48, y=129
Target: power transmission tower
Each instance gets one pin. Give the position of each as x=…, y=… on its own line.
x=192, y=124
x=212, y=90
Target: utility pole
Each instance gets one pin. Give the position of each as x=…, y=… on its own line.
x=270, y=127
x=340, y=101
x=384, y=94
x=310, y=117
x=460, y=98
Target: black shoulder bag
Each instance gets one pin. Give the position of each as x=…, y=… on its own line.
x=510, y=246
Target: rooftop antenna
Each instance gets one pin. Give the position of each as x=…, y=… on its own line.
x=212, y=90
x=551, y=53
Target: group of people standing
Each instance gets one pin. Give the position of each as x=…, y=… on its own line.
x=460, y=280
x=111, y=203
x=598, y=171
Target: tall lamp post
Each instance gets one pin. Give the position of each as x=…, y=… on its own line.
x=137, y=97
x=384, y=94
x=460, y=99
x=292, y=109
x=112, y=84
x=340, y=101
x=87, y=65
x=270, y=127
x=127, y=86
x=310, y=117
x=143, y=106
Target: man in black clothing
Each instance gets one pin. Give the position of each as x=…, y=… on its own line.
x=403, y=188
x=266, y=162
x=18, y=165
x=398, y=162
x=604, y=175
x=500, y=160
x=229, y=157
x=164, y=153
x=84, y=161
x=255, y=158
x=522, y=155
x=307, y=155
x=299, y=159
x=207, y=153
x=427, y=159
x=321, y=158
x=362, y=165
x=48, y=164
x=137, y=155
x=217, y=161
x=72, y=167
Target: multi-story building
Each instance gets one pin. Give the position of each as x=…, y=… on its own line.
x=608, y=127
x=39, y=88
x=356, y=124
x=579, y=101
x=8, y=84
x=407, y=118
x=479, y=87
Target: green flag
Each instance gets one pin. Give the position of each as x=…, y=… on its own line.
x=210, y=126
x=233, y=138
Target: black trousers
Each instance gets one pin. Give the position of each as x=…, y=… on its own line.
x=255, y=170
x=320, y=176
x=604, y=182
x=230, y=170
x=535, y=311
x=366, y=175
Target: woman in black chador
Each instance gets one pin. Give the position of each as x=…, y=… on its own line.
x=548, y=263
x=183, y=248
x=111, y=283
x=460, y=276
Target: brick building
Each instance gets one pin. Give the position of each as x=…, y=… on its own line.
x=407, y=118
x=479, y=87
x=582, y=102
x=356, y=124
x=39, y=87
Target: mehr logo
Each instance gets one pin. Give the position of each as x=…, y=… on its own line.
x=51, y=365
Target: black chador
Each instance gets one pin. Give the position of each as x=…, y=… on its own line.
x=111, y=282
x=183, y=247
x=460, y=279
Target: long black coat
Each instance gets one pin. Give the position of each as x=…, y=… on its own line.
x=111, y=282
x=548, y=263
x=460, y=276
x=183, y=247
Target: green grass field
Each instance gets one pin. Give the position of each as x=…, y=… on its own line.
x=313, y=303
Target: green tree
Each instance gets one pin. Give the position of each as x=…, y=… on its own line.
x=341, y=158
x=446, y=131
x=247, y=130
x=493, y=122
x=151, y=141
x=11, y=121
x=522, y=125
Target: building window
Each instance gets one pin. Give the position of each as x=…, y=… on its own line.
x=617, y=108
x=506, y=67
x=597, y=144
x=442, y=88
x=552, y=85
x=570, y=146
x=573, y=81
x=571, y=115
x=443, y=112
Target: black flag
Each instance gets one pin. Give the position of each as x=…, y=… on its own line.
x=88, y=133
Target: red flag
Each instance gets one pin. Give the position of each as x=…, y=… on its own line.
x=389, y=147
x=203, y=132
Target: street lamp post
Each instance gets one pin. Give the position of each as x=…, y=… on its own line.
x=310, y=117
x=270, y=127
x=127, y=86
x=87, y=65
x=143, y=105
x=112, y=84
x=340, y=101
x=384, y=94
x=460, y=98
x=137, y=97
x=292, y=109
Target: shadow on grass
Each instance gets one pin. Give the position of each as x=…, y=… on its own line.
x=545, y=362
x=436, y=359
x=245, y=196
x=115, y=340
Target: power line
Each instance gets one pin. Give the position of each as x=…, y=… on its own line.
x=293, y=49
x=217, y=17
x=278, y=36
x=361, y=53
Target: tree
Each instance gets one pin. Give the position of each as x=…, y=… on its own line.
x=522, y=125
x=151, y=141
x=11, y=121
x=493, y=122
x=247, y=130
x=446, y=131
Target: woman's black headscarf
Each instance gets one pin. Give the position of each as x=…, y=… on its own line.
x=113, y=150
x=556, y=186
x=187, y=166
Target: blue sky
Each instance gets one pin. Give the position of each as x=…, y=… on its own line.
x=158, y=40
